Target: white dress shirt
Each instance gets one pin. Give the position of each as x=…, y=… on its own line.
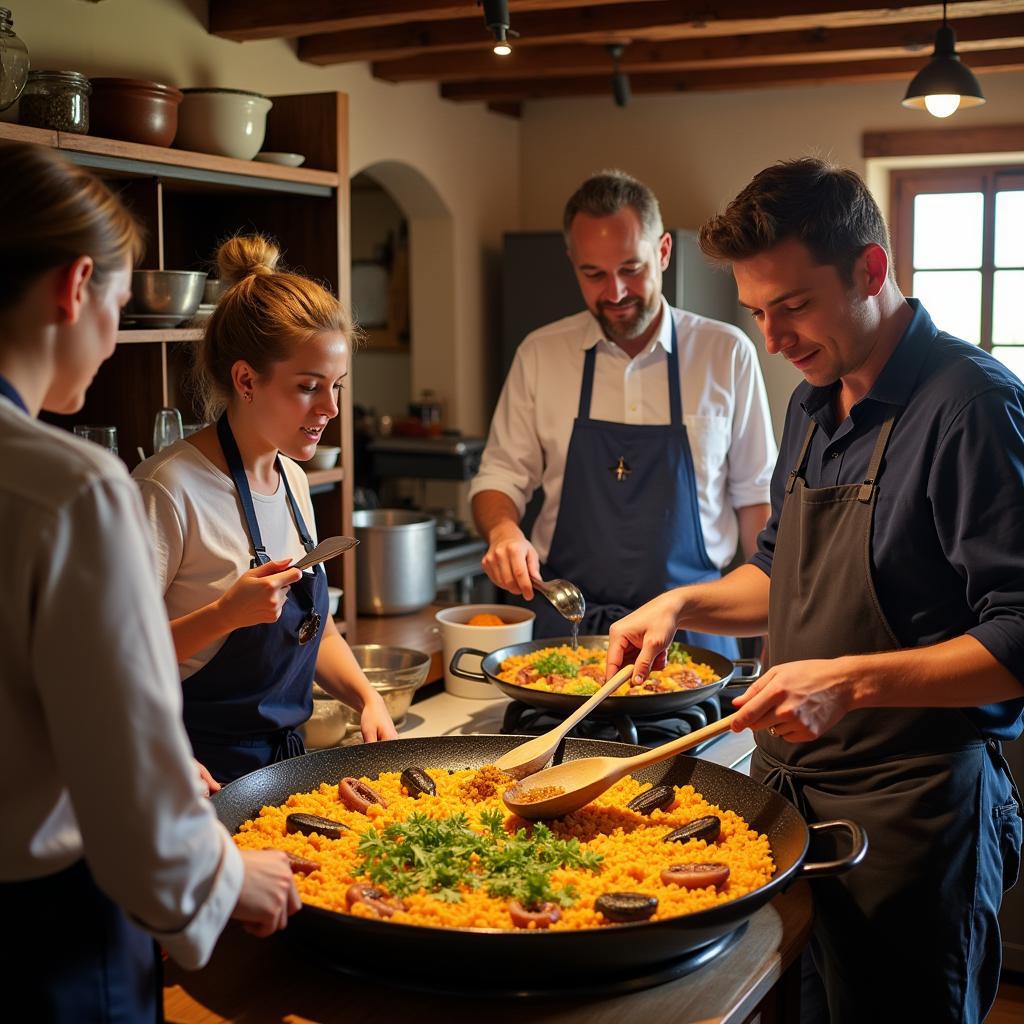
x=199, y=534
x=96, y=761
x=725, y=411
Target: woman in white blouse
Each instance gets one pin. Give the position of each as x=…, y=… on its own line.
x=107, y=841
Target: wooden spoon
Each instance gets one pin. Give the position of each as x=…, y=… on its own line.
x=583, y=780
x=531, y=756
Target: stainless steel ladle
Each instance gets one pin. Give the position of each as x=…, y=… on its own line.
x=564, y=596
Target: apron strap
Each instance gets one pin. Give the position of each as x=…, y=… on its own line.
x=8, y=390
x=675, y=401
x=801, y=462
x=234, y=460
x=867, y=488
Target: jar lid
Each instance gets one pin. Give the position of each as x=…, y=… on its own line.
x=72, y=78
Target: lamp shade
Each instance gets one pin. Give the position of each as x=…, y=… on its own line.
x=944, y=75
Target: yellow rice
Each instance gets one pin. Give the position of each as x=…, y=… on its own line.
x=583, y=656
x=631, y=845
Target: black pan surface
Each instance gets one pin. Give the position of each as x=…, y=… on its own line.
x=647, y=706
x=518, y=962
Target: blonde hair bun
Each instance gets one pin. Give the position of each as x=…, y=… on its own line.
x=245, y=256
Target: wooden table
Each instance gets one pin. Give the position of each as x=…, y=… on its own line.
x=265, y=982
x=418, y=630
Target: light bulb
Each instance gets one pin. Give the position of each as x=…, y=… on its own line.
x=941, y=105
x=503, y=49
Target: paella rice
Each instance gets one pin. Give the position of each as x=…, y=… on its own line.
x=620, y=850
x=582, y=671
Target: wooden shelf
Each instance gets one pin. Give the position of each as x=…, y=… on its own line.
x=131, y=337
x=325, y=476
x=197, y=169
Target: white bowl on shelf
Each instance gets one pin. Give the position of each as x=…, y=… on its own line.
x=334, y=597
x=325, y=457
x=282, y=159
x=226, y=122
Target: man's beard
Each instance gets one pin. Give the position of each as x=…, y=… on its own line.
x=630, y=329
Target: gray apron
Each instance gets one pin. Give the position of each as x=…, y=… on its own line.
x=911, y=933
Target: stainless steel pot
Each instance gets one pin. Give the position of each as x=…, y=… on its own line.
x=395, y=563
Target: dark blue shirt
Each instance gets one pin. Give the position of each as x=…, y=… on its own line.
x=947, y=544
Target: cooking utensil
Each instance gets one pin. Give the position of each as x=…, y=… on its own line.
x=396, y=568
x=163, y=297
x=628, y=955
x=565, y=597
x=531, y=756
x=329, y=547
x=646, y=706
x=585, y=780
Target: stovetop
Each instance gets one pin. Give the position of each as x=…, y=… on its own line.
x=523, y=719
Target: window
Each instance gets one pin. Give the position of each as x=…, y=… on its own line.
x=958, y=240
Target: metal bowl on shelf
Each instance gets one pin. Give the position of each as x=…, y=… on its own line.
x=163, y=298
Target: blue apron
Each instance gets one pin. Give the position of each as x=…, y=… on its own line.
x=628, y=525
x=75, y=954
x=243, y=706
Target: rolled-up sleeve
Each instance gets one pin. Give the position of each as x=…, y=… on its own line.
x=513, y=461
x=976, y=489
x=752, y=452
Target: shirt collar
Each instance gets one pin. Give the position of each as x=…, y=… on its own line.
x=593, y=334
x=898, y=378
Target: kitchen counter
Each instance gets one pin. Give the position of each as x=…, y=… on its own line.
x=418, y=630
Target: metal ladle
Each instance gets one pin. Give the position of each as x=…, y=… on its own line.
x=565, y=597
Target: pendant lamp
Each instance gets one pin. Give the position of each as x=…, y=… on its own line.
x=944, y=84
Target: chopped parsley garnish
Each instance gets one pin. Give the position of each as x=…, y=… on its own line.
x=555, y=665
x=677, y=656
x=439, y=856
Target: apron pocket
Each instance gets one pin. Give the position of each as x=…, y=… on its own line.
x=1008, y=825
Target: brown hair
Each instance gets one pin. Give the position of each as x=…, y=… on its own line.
x=605, y=194
x=51, y=213
x=262, y=316
x=827, y=208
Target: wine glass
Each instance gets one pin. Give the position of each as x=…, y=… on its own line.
x=166, y=429
x=105, y=437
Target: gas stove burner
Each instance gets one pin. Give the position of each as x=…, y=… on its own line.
x=523, y=719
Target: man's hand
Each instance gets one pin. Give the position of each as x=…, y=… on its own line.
x=510, y=560
x=798, y=701
x=643, y=636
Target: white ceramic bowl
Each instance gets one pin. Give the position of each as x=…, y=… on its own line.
x=455, y=633
x=283, y=159
x=325, y=457
x=329, y=723
x=227, y=122
x=334, y=595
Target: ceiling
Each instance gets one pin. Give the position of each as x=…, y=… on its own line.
x=670, y=45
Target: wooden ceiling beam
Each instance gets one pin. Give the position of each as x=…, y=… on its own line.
x=241, y=20
x=999, y=32
x=504, y=91
x=623, y=21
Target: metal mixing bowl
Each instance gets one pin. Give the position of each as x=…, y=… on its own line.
x=163, y=298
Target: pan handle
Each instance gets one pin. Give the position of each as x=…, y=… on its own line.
x=859, y=839
x=753, y=666
x=465, y=673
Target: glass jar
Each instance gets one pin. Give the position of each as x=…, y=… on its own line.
x=58, y=100
x=13, y=61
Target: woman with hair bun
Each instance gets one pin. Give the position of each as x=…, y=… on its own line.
x=108, y=840
x=231, y=511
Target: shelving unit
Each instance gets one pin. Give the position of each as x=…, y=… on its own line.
x=188, y=203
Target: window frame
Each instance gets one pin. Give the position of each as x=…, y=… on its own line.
x=906, y=184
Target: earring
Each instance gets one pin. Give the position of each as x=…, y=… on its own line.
x=247, y=395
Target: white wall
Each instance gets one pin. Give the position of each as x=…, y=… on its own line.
x=471, y=157
x=698, y=150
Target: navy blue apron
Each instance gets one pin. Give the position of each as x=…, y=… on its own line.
x=911, y=934
x=75, y=955
x=242, y=707
x=628, y=525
